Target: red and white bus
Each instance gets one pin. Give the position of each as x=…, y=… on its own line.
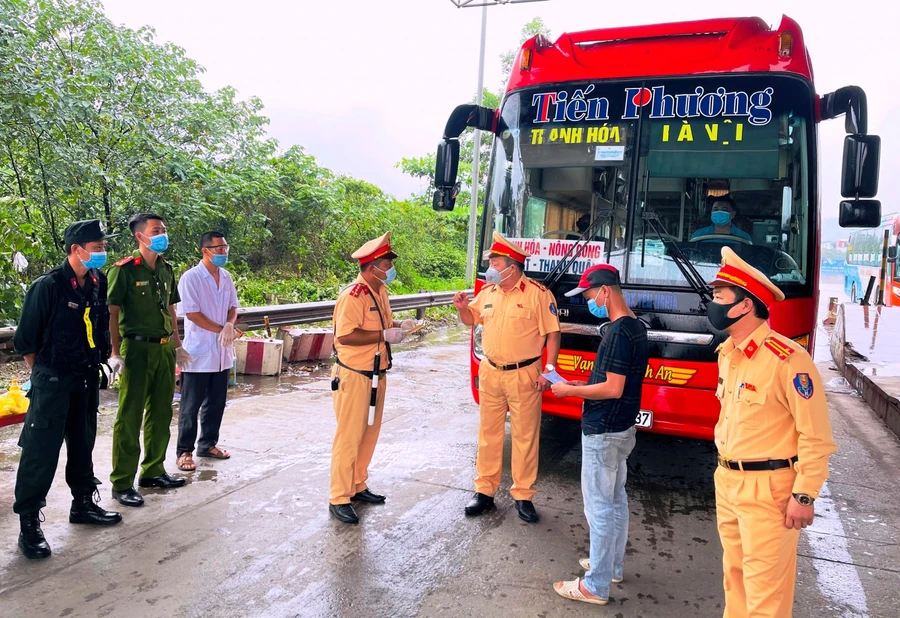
x=634, y=132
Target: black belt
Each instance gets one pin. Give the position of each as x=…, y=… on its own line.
x=756, y=466
x=362, y=372
x=149, y=339
x=512, y=366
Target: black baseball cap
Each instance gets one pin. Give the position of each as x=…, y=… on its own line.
x=595, y=276
x=80, y=232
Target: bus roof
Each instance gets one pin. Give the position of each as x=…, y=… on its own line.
x=727, y=45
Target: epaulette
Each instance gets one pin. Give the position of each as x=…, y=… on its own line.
x=719, y=347
x=125, y=260
x=778, y=349
x=359, y=288
x=541, y=286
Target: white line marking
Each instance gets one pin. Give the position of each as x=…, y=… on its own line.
x=837, y=582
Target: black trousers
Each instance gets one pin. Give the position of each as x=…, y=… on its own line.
x=56, y=415
x=204, y=393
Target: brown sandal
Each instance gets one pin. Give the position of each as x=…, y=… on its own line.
x=186, y=462
x=215, y=453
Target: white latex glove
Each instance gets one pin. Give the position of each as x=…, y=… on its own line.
x=182, y=358
x=116, y=365
x=408, y=324
x=394, y=335
x=227, y=335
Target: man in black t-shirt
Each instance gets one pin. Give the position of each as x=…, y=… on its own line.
x=612, y=399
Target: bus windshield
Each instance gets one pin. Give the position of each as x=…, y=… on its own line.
x=720, y=161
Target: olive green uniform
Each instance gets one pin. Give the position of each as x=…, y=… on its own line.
x=148, y=382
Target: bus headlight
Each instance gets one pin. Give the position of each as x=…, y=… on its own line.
x=803, y=340
x=476, y=342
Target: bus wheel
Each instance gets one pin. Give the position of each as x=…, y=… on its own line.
x=853, y=292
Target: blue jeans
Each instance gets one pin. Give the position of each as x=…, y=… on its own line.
x=603, y=474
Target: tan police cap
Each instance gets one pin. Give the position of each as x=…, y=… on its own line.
x=737, y=272
x=375, y=249
x=503, y=247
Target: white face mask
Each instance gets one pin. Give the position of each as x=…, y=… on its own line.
x=493, y=275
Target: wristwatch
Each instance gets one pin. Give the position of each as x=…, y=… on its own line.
x=804, y=500
x=548, y=368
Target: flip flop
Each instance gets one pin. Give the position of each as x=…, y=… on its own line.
x=215, y=453
x=585, y=564
x=569, y=590
x=184, y=461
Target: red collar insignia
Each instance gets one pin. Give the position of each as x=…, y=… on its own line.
x=750, y=349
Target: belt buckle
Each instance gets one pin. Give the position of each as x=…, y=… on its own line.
x=723, y=461
x=164, y=340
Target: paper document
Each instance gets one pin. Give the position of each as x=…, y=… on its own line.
x=553, y=377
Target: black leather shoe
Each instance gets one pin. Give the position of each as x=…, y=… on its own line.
x=85, y=510
x=31, y=537
x=128, y=497
x=479, y=504
x=526, y=511
x=367, y=496
x=163, y=481
x=344, y=513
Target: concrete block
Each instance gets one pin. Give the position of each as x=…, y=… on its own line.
x=304, y=344
x=258, y=356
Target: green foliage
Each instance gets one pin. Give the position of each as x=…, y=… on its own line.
x=15, y=237
x=101, y=121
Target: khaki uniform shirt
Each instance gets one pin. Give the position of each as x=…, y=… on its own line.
x=356, y=308
x=516, y=323
x=773, y=407
x=144, y=295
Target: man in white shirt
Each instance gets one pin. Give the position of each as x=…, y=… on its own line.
x=209, y=304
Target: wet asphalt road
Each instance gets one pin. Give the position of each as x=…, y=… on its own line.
x=252, y=537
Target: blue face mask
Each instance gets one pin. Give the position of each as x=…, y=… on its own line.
x=98, y=260
x=158, y=243
x=721, y=217
x=389, y=275
x=598, y=310
x=220, y=259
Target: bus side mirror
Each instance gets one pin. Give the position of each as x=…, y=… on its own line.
x=446, y=166
x=892, y=254
x=859, y=177
x=860, y=213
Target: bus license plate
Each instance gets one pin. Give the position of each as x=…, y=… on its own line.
x=644, y=419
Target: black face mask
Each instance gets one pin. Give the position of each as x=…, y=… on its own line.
x=718, y=315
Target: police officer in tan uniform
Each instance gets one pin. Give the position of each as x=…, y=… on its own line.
x=519, y=317
x=364, y=330
x=774, y=440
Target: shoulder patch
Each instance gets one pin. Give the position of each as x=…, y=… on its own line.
x=359, y=289
x=803, y=385
x=778, y=349
x=124, y=260
x=553, y=309
x=540, y=286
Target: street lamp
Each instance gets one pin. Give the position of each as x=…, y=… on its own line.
x=473, y=208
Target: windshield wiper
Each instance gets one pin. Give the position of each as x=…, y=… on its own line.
x=551, y=280
x=694, y=279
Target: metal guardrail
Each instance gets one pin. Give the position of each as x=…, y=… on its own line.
x=253, y=318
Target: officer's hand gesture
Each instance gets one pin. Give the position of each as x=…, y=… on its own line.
x=461, y=301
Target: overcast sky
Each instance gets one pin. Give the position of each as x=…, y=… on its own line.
x=362, y=83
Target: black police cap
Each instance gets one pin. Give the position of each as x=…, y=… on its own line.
x=82, y=232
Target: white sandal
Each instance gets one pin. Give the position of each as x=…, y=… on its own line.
x=570, y=590
x=585, y=563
